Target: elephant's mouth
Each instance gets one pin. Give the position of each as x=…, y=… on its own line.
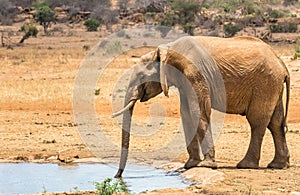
x=144, y=97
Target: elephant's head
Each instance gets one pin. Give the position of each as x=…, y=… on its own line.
x=147, y=81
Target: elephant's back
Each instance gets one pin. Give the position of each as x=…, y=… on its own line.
x=243, y=56
x=249, y=68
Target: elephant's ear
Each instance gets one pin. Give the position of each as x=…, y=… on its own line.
x=162, y=51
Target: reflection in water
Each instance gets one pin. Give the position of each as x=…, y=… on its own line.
x=27, y=178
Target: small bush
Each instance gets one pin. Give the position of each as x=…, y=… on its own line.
x=183, y=13
x=297, y=48
x=30, y=31
x=206, y=5
x=86, y=47
x=288, y=27
x=189, y=29
x=170, y=19
x=292, y=27
x=40, y=5
x=250, y=8
x=231, y=29
x=108, y=187
x=276, y=28
x=226, y=8
x=91, y=24
x=276, y=14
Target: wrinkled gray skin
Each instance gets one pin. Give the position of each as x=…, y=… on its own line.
x=253, y=77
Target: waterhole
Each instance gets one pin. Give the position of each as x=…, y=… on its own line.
x=28, y=178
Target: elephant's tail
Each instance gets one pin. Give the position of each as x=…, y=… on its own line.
x=287, y=82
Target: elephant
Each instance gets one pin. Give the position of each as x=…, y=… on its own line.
x=253, y=79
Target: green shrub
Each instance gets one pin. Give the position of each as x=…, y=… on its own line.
x=189, y=29
x=170, y=19
x=246, y=6
x=231, y=29
x=186, y=10
x=86, y=47
x=108, y=187
x=226, y=8
x=91, y=24
x=30, y=31
x=276, y=28
x=183, y=13
x=40, y=5
x=250, y=8
x=206, y=5
x=287, y=27
x=291, y=27
x=297, y=48
x=276, y=14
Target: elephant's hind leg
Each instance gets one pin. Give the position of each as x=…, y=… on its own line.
x=276, y=126
x=259, y=116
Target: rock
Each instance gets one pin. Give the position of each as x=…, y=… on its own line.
x=270, y=192
x=204, y=175
x=137, y=17
x=295, y=193
x=59, y=9
x=65, y=156
x=171, y=167
x=52, y=158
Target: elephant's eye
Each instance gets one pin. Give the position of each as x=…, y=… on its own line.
x=142, y=76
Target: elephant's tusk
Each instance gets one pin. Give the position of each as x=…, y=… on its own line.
x=129, y=105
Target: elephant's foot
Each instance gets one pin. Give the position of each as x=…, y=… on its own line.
x=208, y=163
x=246, y=164
x=191, y=163
x=278, y=165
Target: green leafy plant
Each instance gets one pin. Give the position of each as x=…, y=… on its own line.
x=183, y=13
x=206, y=5
x=97, y=91
x=30, y=31
x=91, y=24
x=277, y=14
x=287, y=27
x=44, y=15
x=231, y=29
x=86, y=47
x=108, y=187
x=297, y=48
x=188, y=28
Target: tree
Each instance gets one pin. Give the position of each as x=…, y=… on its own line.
x=183, y=13
x=44, y=15
x=30, y=31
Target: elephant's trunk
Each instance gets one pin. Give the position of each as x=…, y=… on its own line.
x=131, y=98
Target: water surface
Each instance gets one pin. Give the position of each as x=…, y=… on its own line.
x=25, y=178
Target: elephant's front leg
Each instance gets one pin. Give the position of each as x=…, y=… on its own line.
x=205, y=135
x=190, y=132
